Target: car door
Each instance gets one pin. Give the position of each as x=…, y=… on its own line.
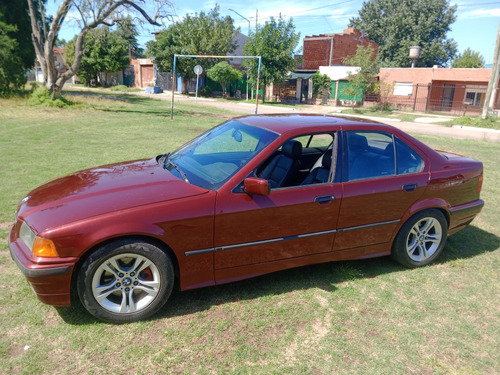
x=290, y=222
x=382, y=178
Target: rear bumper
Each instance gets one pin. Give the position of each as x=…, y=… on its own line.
x=463, y=214
x=51, y=282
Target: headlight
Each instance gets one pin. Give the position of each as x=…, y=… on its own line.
x=39, y=246
x=27, y=235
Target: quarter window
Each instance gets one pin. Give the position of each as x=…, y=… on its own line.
x=408, y=161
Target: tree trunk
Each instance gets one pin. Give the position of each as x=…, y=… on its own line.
x=185, y=85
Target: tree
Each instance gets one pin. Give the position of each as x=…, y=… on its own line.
x=17, y=55
x=92, y=13
x=10, y=76
x=275, y=42
x=128, y=32
x=203, y=34
x=396, y=25
x=223, y=73
x=105, y=52
x=321, y=86
x=363, y=82
x=468, y=59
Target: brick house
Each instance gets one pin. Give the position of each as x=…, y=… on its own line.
x=324, y=53
x=331, y=49
x=458, y=91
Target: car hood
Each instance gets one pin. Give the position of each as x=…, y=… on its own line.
x=100, y=190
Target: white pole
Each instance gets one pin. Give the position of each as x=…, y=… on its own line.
x=197, y=79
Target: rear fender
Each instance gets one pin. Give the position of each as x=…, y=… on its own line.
x=432, y=203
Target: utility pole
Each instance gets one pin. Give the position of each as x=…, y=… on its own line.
x=232, y=10
x=493, y=83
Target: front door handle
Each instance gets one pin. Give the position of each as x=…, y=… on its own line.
x=410, y=187
x=324, y=199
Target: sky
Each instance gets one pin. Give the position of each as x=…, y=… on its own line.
x=475, y=27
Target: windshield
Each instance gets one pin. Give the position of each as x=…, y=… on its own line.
x=214, y=157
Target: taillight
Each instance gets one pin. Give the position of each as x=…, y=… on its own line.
x=480, y=183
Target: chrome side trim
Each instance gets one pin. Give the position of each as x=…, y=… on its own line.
x=368, y=226
x=254, y=243
x=201, y=251
x=288, y=238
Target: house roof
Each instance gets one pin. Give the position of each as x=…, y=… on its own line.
x=303, y=75
x=428, y=75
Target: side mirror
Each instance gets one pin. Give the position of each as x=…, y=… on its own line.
x=258, y=186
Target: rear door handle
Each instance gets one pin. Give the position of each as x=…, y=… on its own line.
x=324, y=199
x=410, y=187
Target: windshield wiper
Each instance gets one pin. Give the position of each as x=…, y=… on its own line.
x=183, y=175
x=162, y=159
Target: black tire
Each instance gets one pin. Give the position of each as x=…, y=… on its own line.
x=421, y=239
x=133, y=278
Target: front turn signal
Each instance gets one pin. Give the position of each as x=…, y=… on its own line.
x=45, y=248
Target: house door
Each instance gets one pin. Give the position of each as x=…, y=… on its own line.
x=305, y=90
x=447, y=99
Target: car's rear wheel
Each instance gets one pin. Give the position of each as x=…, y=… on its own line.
x=125, y=281
x=421, y=239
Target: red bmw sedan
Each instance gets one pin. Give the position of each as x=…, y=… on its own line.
x=254, y=195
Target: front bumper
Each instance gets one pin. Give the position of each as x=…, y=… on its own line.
x=50, y=279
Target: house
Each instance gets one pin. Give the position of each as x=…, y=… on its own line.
x=324, y=53
x=36, y=74
x=332, y=49
x=339, y=80
x=144, y=72
x=457, y=91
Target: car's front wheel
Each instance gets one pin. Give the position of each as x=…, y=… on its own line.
x=125, y=281
x=421, y=239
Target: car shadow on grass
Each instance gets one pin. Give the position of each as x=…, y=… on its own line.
x=468, y=243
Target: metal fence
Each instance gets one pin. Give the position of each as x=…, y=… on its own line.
x=456, y=99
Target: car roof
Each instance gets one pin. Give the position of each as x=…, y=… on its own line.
x=282, y=123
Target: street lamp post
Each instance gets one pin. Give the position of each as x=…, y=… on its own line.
x=248, y=36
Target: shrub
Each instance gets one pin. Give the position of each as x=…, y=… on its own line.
x=41, y=96
x=119, y=88
x=205, y=91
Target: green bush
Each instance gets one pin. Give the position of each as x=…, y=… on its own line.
x=41, y=96
x=205, y=91
x=477, y=121
x=119, y=88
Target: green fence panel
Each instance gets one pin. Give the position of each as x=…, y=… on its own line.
x=333, y=87
x=342, y=96
x=235, y=85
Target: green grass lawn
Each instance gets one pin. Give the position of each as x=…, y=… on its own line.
x=358, y=317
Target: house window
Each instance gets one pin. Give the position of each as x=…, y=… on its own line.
x=403, y=88
x=474, y=96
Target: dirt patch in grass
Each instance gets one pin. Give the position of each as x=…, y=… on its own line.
x=16, y=351
x=6, y=224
